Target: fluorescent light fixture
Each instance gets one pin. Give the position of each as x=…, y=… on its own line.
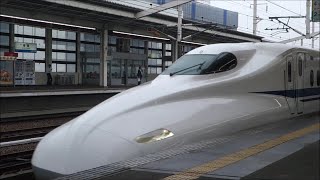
x=139, y=35
x=156, y=135
x=146, y=36
x=195, y=43
x=35, y=20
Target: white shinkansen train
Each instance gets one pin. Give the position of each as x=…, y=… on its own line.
x=211, y=91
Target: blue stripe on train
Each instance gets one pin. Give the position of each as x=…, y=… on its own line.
x=311, y=99
x=293, y=93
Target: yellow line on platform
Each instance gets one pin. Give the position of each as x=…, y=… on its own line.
x=197, y=171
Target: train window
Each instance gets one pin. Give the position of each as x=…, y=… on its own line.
x=289, y=72
x=190, y=64
x=224, y=62
x=196, y=64
x=311, y=78
x=318, y=77
x=300, y=66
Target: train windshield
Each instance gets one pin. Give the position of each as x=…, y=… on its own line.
x=196, y=64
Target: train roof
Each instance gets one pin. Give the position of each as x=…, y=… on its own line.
x=275, y=48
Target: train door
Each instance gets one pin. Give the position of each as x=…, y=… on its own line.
x=300, y=61
x=290, y=88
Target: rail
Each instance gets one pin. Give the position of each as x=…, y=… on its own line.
x=20, y=142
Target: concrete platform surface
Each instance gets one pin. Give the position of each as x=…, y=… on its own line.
x=27, y=91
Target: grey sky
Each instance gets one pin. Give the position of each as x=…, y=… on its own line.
x=266, y=9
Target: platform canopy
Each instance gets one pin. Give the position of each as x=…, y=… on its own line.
x=114, y=15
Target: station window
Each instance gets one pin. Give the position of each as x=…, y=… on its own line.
x=136, y=50
x=134, y=42
x=154, y=70
x=112, y=40
x=4, y=27
x=64, y=51
x=4, y=40
x=289, y=72
x=152, y=62
x=90, y=53
x=39, y=67
x=155, y=45
x=137, y=46
x=60, y=34
x=311, y=78
x=29, y=30
x=2, y=50
x=88, y=37
x=168, y=63
x=318, y=77
x=63, y=45
x=168, y=46
x=154, y=54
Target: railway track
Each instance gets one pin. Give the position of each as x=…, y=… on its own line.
x=15, y=165
x=20, y=136
x=34, y=126
x=16, y=156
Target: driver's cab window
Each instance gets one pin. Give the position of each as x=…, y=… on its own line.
x=224, y=62
x=199, y=64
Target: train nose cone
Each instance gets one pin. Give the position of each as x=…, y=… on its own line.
x=63, y=152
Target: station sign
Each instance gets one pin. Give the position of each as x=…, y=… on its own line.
x=25, y=47
x=315, y=17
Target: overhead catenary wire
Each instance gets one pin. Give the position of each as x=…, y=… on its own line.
x=273, y=14
x=262, y=19
x=283, y=7
x=299, y=24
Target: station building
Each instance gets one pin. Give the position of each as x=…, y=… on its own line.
x=100, y=43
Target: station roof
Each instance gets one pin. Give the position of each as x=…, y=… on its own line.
x=114, y=16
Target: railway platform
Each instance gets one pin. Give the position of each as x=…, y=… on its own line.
x=286, y=150
x=24, y=101
x=10, y=91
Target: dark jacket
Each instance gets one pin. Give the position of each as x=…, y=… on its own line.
x=139, y=75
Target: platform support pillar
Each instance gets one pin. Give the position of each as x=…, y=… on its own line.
x=174, y=50
x=104, y=57
x=79, y=58
x=11, y=38
x=163, y=56
x=48, y=43
x=146, y=64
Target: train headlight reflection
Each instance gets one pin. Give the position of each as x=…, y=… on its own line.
x=156, y=135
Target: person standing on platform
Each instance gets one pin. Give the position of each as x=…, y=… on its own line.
x=139, y=75
x=49, y=77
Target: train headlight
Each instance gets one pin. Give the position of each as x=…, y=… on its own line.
x=156, y=135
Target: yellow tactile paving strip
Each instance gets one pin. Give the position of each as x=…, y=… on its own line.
x=198, y=171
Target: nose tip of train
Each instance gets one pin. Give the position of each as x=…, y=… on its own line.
x=54, y=156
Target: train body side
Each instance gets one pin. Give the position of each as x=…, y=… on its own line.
x=192, y=107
